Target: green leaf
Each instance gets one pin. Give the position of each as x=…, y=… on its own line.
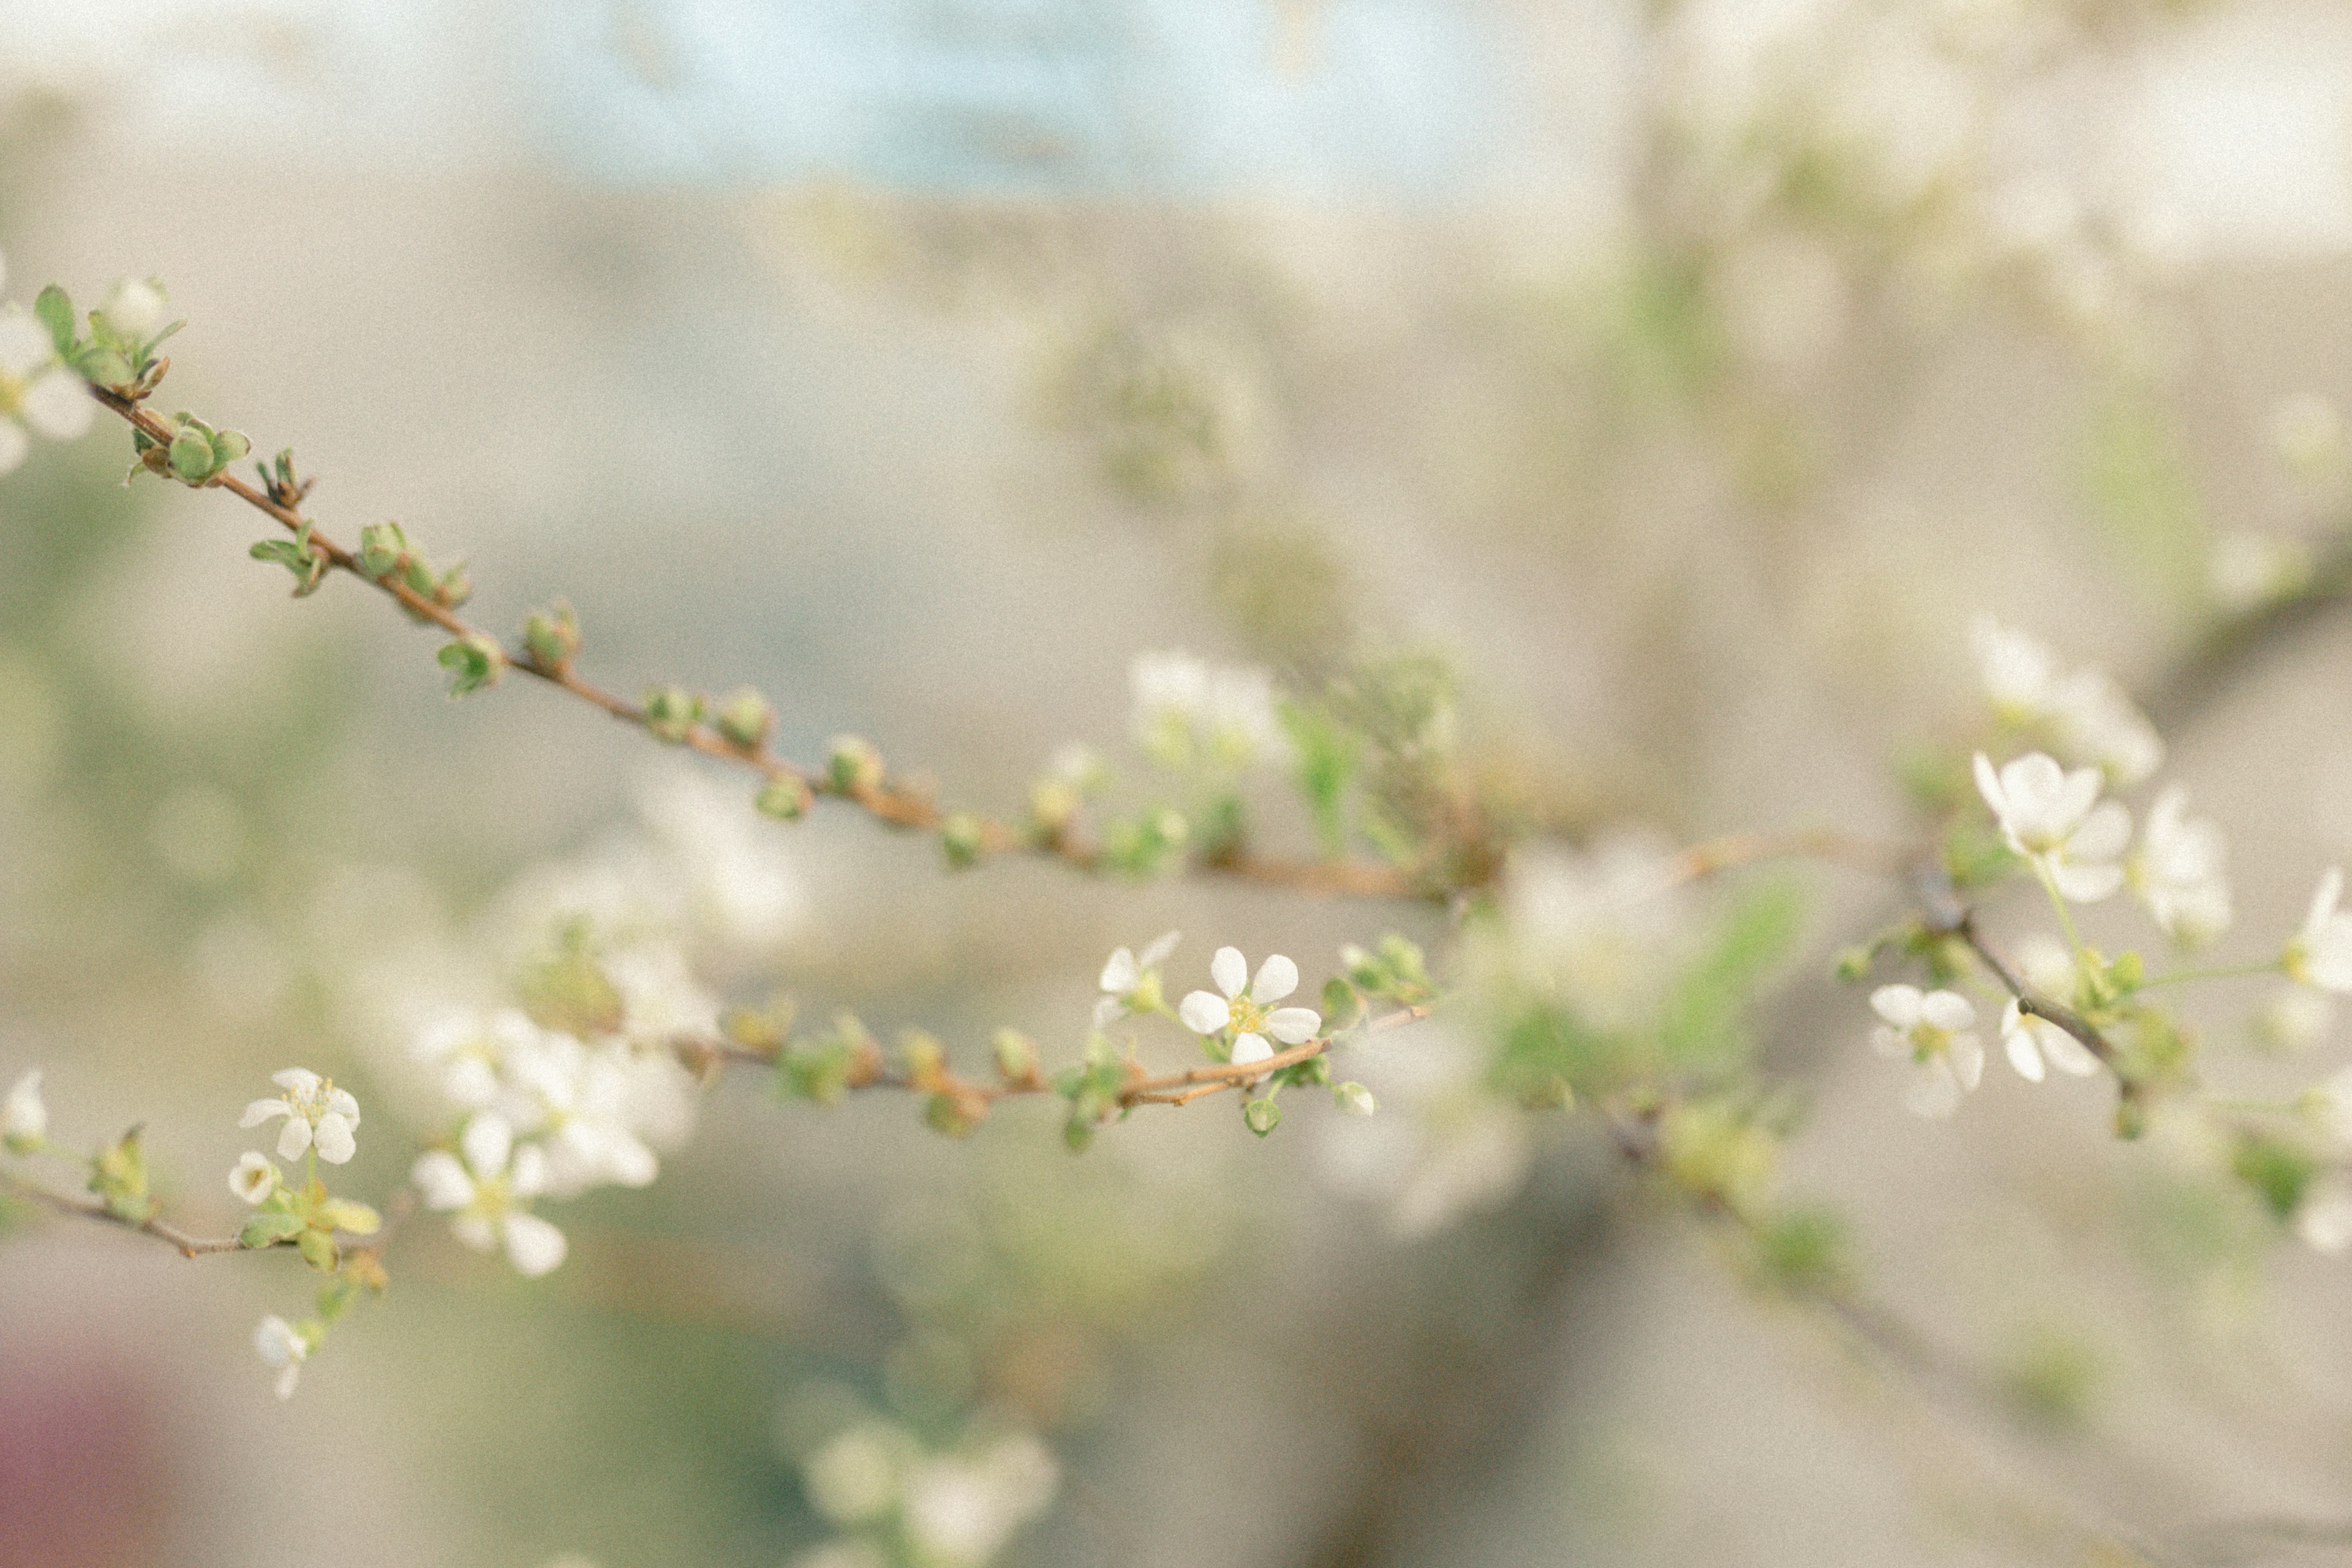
x=119, y=1177
x=474, y=661
x=1703, y=1029
x=191, y=458
x=1262, y=1116
x=350, y=1215
x=55, y=311
x=267, y=1229
x=319, y=1250
x=228, y=447
x=1327, y=753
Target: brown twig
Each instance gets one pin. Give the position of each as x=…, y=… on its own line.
x=90, y=1208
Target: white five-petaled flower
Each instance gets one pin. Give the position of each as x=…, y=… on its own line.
x=2321, y=952
x=34, y=389
x=1124, y=975
x=1251, y=1016
x=2055, y=819
x=255, y=1177
x=488, y=1191
x=1934, y=1029
x=2030, y=1039
x=316, y=1112
x=280, y=1344
x=2178, y=870
x=24, y=1118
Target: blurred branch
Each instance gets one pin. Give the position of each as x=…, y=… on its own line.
x=92, y=1209
x=2237, y=645
x=893, y=803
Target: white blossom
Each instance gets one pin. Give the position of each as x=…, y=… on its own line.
x=255, y=1177
x=2323, y=1219
x=1252, y=1016
x=2085, y=711
x=584, y=1104
x=1932, y=1029
x=962, y=1512
x=2294, y=1019
x=134, y=307
x=2179, y=871
x=490, y=1190
x=280, y=1344
x=36, y=391
x=2055, y=819
x=2018, y=670
x=1123, y=975
x=2030, y=1040
x=2321, y=952
x=24, y=1118
x=1189, y=714
x=1596, y=927
x=317, y=1115
x=465, y=1052
x=855, y=1478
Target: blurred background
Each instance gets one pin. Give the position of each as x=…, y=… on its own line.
x=1682, y=376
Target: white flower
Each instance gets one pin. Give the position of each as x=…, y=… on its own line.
x=1598, y=928
x=255, y=1177
x=2296, y=1018
x=1932, y=1029
x=660, y=1002
x=23, y=1120
x=2056, y=820
x=2048, y=966
x=2096, y=719
x=36, y=390
x=2324, y=1218
x=2321, y=952
x=962, y=1512
x=2178, y=870
x=1249, y=1016
x=1190, y=713
x=280, y=1344
x=586, y=1104
x=2029, y=1039
x=134, y=307
x=316, y=1112
x=855, y=1478
x=2089, y=715
x=2018, y=669
x=1123, y=976
x=467, y=1052
x=488, y=1191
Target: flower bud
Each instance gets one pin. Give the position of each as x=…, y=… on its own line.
x=552, y=637
x=473, y=662
x=853, y=765
x=1016, y=1056
x=745, y=718
x=1354, y=1099
x=786, y=798
x=24, y=1118
x=961, y=839
x=1262, y=1116
x=672, y=712
x=382, y=546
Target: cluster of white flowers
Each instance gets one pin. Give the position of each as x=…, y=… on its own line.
x=546, y=1114
x=2085, y=713
x=954, y=1510
x=1190, y=714
x=36, y=391
x=24, y=1118
x=1245, y=1017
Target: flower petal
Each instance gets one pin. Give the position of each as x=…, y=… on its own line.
x=1248, y=1047
x=261, y=1111
x=1230, y=969
x=1968, y=1060
x=336, y=1145
x=294, y=1139
x=2103, y=834
x=58, y=404
x=2067, y=1054
x=474, y=1231
x=1204, y=1011
x=340, y=1102
x=2085, y=884
x=1293, y=1026
x=1156, y=953
x=24, y=343
x=2017, y=1041
x=1119, y=973
x=1898, y=1005
x=1277, y=977
x=1947, y=1010
x=533, y=1246
x=299, y=1083
x=442, y=1181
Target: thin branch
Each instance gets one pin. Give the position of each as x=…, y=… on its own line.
x=91, y=1209
x=893, y=804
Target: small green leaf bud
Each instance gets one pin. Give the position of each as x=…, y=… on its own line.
x=1078, y=1134
x=319, y=1250
x=54, y=309
x=953, y=1114
x=381, y=547
x=1016, y=1056
x=270, y=1228
x=852, y=764
x=2127, y=972
x=672, y=712
x=552, y=637
x=473, y=662
x=1853, y=964
x=961, y=839
x=191, y=458
x=1354, y=1099
x=119, y=1177
x=786, y=798
x=745, y=718
x=228, y=447
x=1263, y=1116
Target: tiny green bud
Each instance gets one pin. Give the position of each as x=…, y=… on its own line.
x=191, y=458
x=953, y=1114
x=961, y=839
x=745, y=718
x=381, y=545
x=1054, y=804
x=2127, y=972
x=672, y=712
x=1016, y=1056
x=1078, y=1134
x=852, y=764
x=1263, y=1116
x=925, y=1057
x=552, y=637
x=348, y=1213
x=1354, y=1099
x=473, y=662
x=119, y=1177
x=787, y=798
x=228, y=447
x=1853, y=964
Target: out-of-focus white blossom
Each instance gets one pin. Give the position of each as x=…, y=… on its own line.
x=36, y=391
x=2321, y=952
x=661, y=1002
x=2323, y=1219
x=1934, y=1030
x=134, y=307
x=24, y=1118
x=854, y=1478
x=962, y=1512
x=1443, y=1146
x=1123, y=976
x=582, y=1102
x=255, y=1177
x=316, y=1112
x=2295, y=1019
x=2047, y=965
x=488, y=1191
x=2179, y=872
x=281, y=1345
x=1598, y=930
x=464, y=1052
x=2087, y=713
x=1189, y=714
x=2249, y=569
x=1251, y=1016
x=2055, y=819
x=2030, y=1040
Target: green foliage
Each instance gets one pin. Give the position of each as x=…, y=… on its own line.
x=853, y=765
x=1148, y=843
x=117, y=1176
x=474, y=661
x=1806, y=1250
x=786, y=799
x=745, y=718
x=2052, y=1377
x=1702, y=1032
x=1261, y=1116
x=960, y=840
x=1329, y=755
x=2278, y=1172
x=571, y=991
x=552, y=637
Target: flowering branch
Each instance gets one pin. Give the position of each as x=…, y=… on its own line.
x=737, y=734
x=186, y=1245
